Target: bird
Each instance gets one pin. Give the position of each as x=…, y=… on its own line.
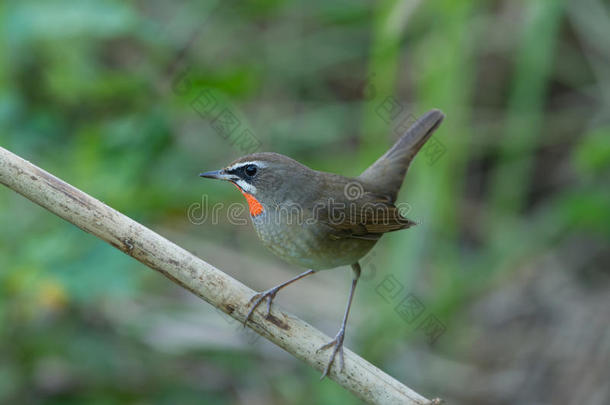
x=318, y=220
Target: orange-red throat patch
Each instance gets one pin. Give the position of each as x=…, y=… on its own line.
x=255, y=207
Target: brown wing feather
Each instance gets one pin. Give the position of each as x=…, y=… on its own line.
x=367, y=217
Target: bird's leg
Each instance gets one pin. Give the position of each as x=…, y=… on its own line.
x=337, y=342
x=270, y=294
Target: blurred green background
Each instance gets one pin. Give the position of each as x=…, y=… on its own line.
x=510, y=259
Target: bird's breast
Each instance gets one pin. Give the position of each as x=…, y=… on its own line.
x=299, y=239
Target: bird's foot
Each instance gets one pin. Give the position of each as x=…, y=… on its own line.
x=257, y=298
x=337, y=342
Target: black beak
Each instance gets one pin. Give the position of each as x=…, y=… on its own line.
x=217, y=174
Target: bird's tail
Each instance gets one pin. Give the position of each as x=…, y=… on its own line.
x=388, y=172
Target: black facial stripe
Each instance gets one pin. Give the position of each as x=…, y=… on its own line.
x=240, y=172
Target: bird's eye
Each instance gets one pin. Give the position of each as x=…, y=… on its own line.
x=250, y=170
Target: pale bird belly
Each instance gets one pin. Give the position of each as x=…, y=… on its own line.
x=309, y=245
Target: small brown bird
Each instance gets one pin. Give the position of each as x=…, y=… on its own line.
x=322, y=220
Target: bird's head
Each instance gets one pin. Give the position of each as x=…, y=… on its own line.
x=263, y=178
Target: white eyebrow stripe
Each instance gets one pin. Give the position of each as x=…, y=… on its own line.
x=240, y=164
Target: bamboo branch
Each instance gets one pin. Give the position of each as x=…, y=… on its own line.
x=204, y=280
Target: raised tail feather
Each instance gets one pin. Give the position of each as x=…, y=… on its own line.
x=388, y=172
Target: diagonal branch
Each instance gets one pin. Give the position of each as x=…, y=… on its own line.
x=217, y=288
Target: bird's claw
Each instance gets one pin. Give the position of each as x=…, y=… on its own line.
x=337, y=342
x=258, y=298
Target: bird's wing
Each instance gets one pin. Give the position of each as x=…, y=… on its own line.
x=367, y=217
